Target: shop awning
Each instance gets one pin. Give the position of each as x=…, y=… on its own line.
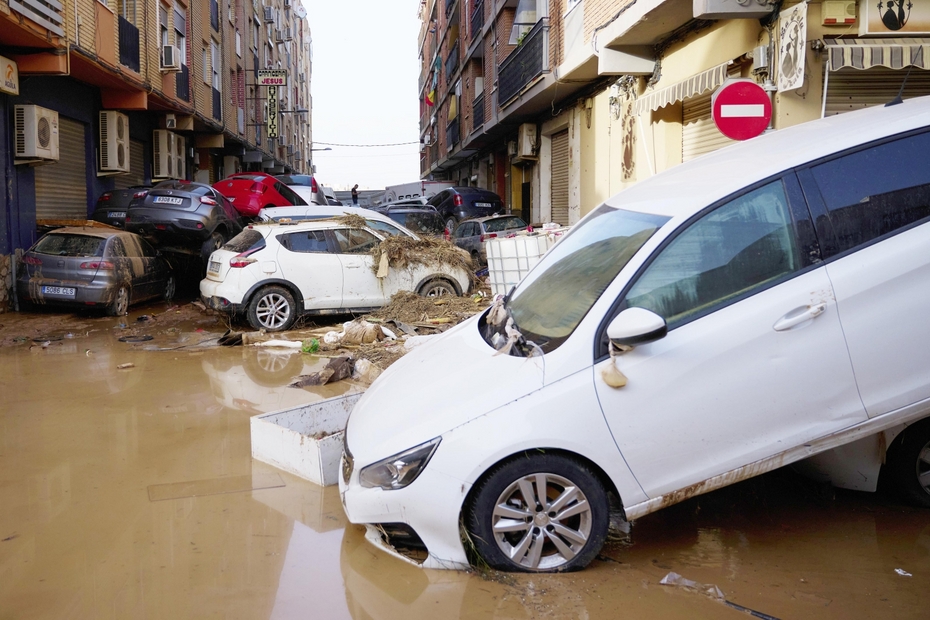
x=691, y=87
x=867, y=53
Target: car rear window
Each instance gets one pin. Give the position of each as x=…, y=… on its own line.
x=70, y=245
x=504, y=223
x=247, y=177
x=295, y=179
x=422, y=223
x=248, y=239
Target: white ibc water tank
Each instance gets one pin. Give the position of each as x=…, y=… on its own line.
x=511, y=258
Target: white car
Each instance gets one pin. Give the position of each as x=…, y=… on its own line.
x=755, y=307
x=273, y=273
x=315, y=212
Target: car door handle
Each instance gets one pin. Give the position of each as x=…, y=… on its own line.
x=353, y=266
x=798, y=316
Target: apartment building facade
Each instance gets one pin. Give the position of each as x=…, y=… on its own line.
x=559, y=104
x=104, y=94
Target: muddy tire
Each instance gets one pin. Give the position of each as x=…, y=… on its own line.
x=171, y=286
x=214, y=242
x=119, y=305
x=272, y=309
x=908, y=464
x=515, y=526
x=451, y=223
x=437, y=287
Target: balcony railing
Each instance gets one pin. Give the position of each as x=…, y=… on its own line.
x=182, y=83
x=477, y=19
x=452, y=133
x=46, y=13
x=215, y=15
x=128, y=45
x=524, y=64
x=452, y=62
x=477, y=112
x=217, y=105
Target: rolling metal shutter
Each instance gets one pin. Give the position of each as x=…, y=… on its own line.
x=559, y=185
x=699, y=135
x=61, y=188
x=136, y=174
x=854, y=89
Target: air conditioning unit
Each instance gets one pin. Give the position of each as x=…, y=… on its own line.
x=278, y=36
x=35, y=133
x=269, y=15
x=171, y=121
x=287, y=4
x=512, y=148
x=526, y=141
x=290, y=149
x=167, y=155
x=731, y=9
x=114, y=141
x=303, y=77
x=289, y=33
x=170, y=58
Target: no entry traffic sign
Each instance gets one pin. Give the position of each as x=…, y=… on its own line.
x=741, y=109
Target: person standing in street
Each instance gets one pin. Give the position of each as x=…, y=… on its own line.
x=355, y=194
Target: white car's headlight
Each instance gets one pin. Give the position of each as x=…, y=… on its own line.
x=396, y=472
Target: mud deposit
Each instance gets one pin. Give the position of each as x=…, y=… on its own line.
x=84, y=446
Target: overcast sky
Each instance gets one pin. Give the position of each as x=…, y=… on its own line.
x=364, y=88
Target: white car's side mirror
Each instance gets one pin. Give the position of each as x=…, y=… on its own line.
x=636, y=326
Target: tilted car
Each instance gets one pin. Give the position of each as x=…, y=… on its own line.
x=184, y=213
x=414, y=216
x=708, y=324
x=309, y=184
x=470, y=235
x=462, y=203
x=274, y=273
x=112, y=205
x=93, y=267
x=249, y=192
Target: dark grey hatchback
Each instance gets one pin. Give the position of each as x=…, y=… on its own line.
x=186, y=213
x=84, y=266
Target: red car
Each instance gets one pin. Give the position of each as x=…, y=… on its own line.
x=252, y=191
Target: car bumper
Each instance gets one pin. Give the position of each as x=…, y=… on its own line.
x=430, y=506
x=187, y=226
x=217, y=296
x=85, y=293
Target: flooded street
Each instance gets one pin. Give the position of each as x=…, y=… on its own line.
x=127, y=490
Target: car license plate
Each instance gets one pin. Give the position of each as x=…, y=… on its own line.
x=168, y=200
x=214, y=267
x=486, y=205
x=58, y=290
x=117, y=214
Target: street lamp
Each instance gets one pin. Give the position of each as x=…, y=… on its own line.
x=310, y=160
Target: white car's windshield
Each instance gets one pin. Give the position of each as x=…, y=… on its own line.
x=549, y=304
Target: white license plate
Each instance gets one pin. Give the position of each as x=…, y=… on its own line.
x=58, y=290
x=214, y=267
x=168, y=200
x=483, y=204
x=117, y=214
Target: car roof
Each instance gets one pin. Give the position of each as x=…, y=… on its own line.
x=327, y=210
x=321, y=224
x=89, y=231
x=687, y=188
x=494, y=217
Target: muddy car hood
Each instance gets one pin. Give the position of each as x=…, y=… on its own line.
x=436, y=387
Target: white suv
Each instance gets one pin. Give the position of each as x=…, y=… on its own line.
x=755, y=307
x=275, y=272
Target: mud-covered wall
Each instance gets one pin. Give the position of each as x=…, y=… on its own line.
x=6, y=283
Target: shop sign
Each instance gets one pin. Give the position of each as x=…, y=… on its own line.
x=894, y=17
x=9, y=76
x=272, y=120
x=272, y=77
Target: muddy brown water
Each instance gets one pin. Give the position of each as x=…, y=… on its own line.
x=131, y=493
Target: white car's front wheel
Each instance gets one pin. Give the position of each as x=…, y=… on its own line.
x=539, y=513
x=272, y=309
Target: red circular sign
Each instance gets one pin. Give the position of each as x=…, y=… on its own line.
x=741, y=109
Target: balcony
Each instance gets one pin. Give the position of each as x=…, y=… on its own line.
x=128, y=45
x=46, y=13
x=477, y=112
x=182, y=84
x=525, y=64
x=452, y=62
x=217, y=105
x=452, y=133
x=477, y=19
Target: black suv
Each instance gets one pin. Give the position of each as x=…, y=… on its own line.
x=455, y=204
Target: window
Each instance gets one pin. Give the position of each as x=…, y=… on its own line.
x=306, y=241
x=738, y=248
x=216, y=64
x=163, y=25
x=289, y=195
x=383, y=227
x=180, y=34
x=206, y=67
x=355, y=241
x=127, y=10
x=876, y=191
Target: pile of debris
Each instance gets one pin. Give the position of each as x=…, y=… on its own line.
x=400, y=251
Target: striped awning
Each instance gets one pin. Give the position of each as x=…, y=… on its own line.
x=693, y=86
x=867, y=53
